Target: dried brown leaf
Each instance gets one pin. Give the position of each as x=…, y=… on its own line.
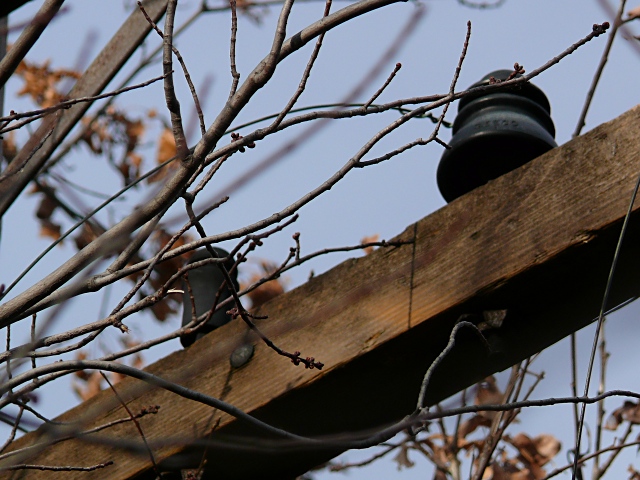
x=82, y=374
x=439, y=475
x=547, y=446
x=470, y=425
x=115, y=128
x=633, y=473
x=134, y=130
x=166, y=146
x=507, y=471
x=138, y=361
x=370, y=239
x=265, y=292
x=41, y=82
x=633, y=13
x=116, y=377
x=46, y=207
x=166, y=150
x=629, y=412
x=402, y=458
x=439, y=453
x=49, y=229
x=488, y=393
x=535, y=453
x=470, y=446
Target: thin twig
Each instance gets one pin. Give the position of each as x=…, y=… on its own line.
x=8, y=348
x=232, y=50
x=574, y=384
x=305, y=76
x=135, y=422
x=152, y=409
x=64, y=149
x=14, y=429
x=76, y=365
x=33, y=338
x=339, y=467
x=452, y=341
x=68, y=103
x=615, y=452
x=601, y=411
x=365, y=439
x=391, y=76
x=28, y=37
x=454, y=444
x=53, y=468
x=612, y=448
x=313, y=129
x=187, y=76
x=497, y=426
x=603, y=61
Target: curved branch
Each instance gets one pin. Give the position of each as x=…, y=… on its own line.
x=77, y=365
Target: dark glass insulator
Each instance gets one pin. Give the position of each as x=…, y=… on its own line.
x=205, y=282
x=493, y=134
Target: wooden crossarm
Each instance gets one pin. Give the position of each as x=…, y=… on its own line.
x=537, y=242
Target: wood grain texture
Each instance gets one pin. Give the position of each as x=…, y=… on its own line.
x=537, y=241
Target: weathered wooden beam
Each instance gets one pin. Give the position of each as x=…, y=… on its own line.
x=537, y=242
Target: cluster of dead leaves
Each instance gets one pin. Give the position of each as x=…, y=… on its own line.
x=46, y=207
x=115, y=131
x=533, y=454
x=519, y=458
x=113, y=135
x=42, y=83
x=51, y=228
x=47, y=87
x=628, y=412
x=160, y=275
